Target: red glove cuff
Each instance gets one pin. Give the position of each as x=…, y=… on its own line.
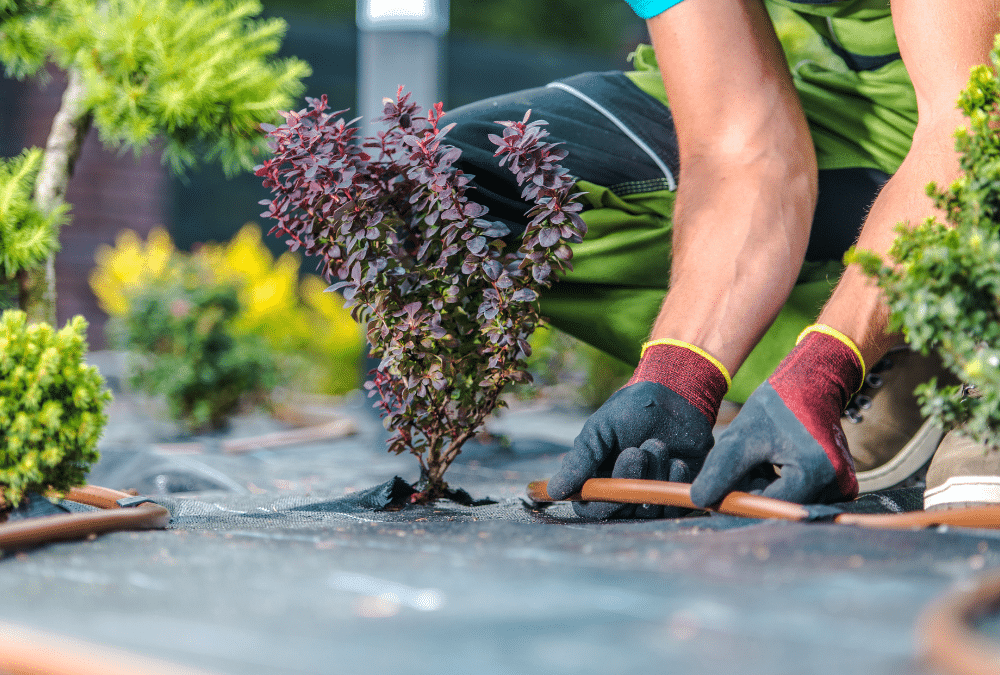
x=816, y=381
x=686, y=370
x=823, y=367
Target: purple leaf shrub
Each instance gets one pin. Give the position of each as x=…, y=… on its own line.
x=449, y=304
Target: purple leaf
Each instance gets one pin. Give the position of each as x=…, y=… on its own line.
x=477, y=245
x=470, y=264
x=492, y=269
x=548, y=236
x=540, y=273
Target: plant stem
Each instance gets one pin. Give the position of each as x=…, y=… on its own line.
x=37, y=287
x=455, y=449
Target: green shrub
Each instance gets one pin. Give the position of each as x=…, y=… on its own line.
x=199, y=75
x=943, y=280
x=51, y=407
x=316, y=342
x=27, y=236
x=180, y=329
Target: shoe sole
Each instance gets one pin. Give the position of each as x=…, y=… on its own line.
x=908, y=461
x=960, y=491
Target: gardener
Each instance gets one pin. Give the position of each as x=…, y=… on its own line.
x=741, y=197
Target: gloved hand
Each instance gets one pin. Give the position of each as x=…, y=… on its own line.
x=791, y=421
x=658, y=426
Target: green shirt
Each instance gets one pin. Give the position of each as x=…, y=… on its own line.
x=845, y=63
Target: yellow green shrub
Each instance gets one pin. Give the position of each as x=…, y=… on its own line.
x=52, y=407
x=315, y=339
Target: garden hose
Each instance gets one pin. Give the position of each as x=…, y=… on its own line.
x=665, y=493
x=947, y=635
x=637, y=491
x=946, y=630
x=117, y=511
x=26, y=651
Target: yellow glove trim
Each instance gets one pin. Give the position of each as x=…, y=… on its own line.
x=834, y=333
x=697, y=350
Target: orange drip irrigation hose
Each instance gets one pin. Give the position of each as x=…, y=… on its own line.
x=946, y=630
x=25, y=651
x=635, y=491
x=110, y=518
x=946, y=633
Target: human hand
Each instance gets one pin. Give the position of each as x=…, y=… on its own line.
x=658, y=426
x=791, y=421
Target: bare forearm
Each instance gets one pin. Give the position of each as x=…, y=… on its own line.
x=857, y=307
x=939, y=42
x=747, y=187
x=738, y=247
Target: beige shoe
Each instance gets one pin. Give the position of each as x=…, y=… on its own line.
x=962, y=473
x=888, y=437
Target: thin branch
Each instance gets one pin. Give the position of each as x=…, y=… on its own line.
x=69, y=129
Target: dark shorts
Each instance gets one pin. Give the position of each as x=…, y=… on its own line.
x=622, y=147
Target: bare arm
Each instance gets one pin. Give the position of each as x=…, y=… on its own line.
x=939, y=40
x=747, y=188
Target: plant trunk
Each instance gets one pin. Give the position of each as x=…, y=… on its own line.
x=37, y=287
x=432, y=485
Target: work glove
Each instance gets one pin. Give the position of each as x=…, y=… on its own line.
x=787, y=441
x=658, y=426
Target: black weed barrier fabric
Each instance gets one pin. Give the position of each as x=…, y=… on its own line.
x=310, y=559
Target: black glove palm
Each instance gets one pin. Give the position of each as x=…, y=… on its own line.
x=658, y=427
x=791, y=421
x=644, y=430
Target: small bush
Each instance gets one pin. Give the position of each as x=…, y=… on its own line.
x=943, y=280
x=449, y=304
x=314, y=340
x=180, y=330
x=51, y=407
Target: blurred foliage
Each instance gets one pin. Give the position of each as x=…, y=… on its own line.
x=200, y=74
x=51, y=407
x=942, y=280
x=594, y=25
x=27, y=236
x=317, y=344
x=179, y=330
x=122, y=270
x=316, y=336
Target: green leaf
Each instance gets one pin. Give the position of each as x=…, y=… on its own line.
x=27, y=237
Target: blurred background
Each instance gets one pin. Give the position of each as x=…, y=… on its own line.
x=490, y=47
